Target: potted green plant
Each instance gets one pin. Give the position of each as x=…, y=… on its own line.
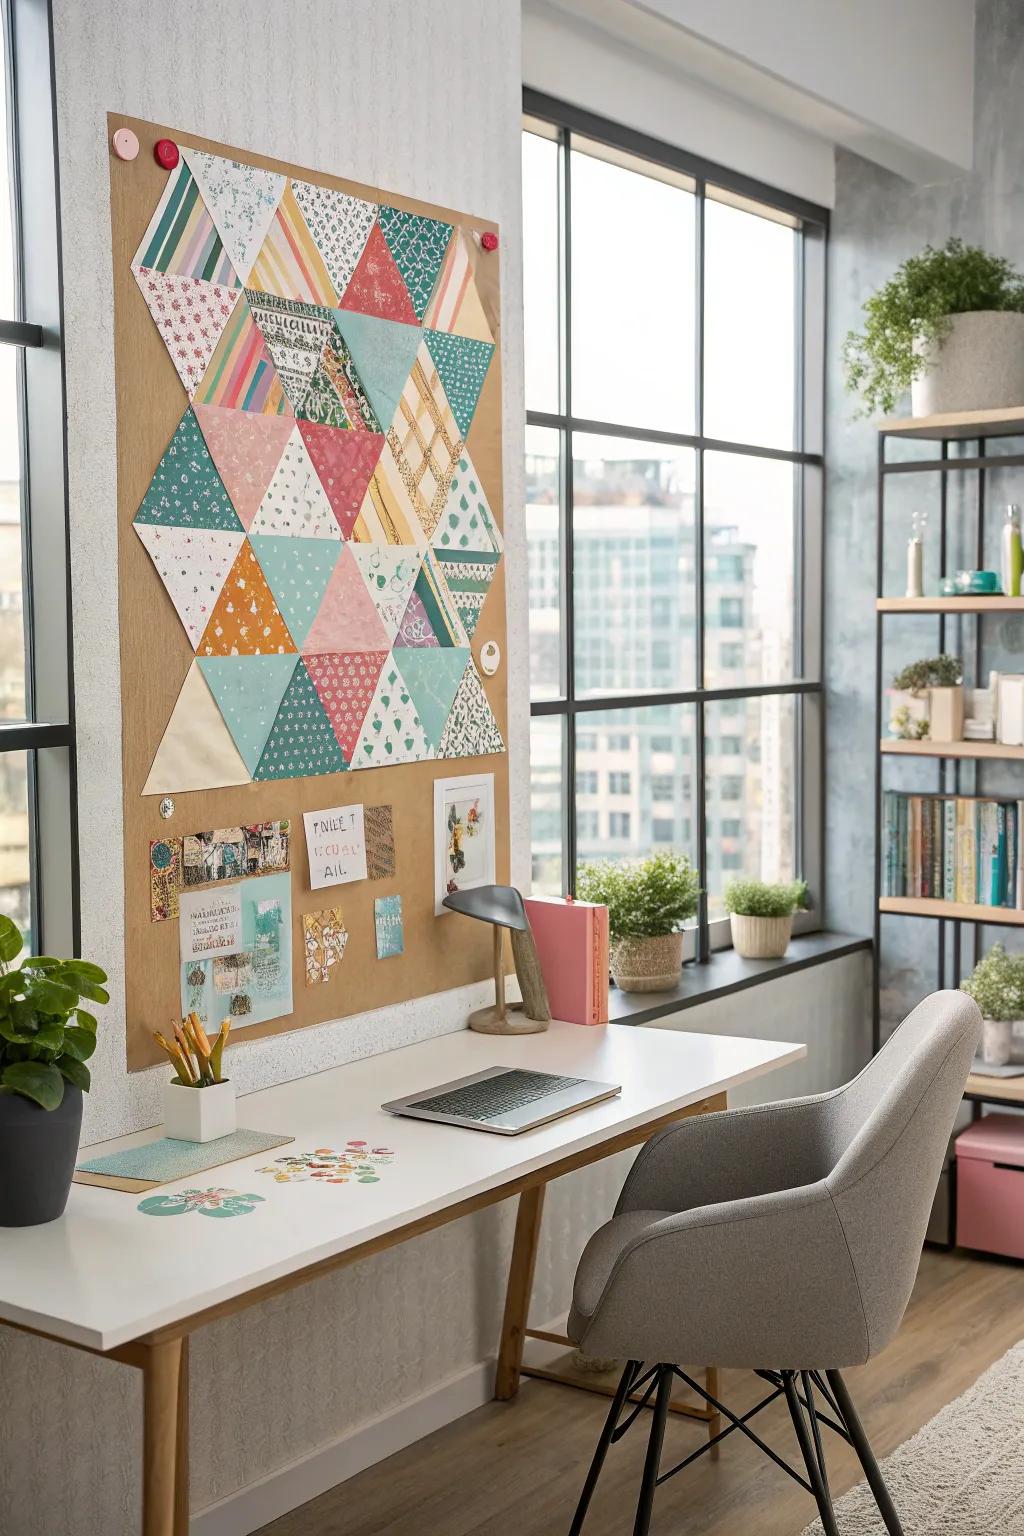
x=948, y=326
x=761, y=916
x=928, y=700
x=46, y=1037
x=647, y=902
x=997, y=986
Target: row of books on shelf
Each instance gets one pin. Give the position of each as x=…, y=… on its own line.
x=953, y=848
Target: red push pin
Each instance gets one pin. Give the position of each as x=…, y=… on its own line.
x=489, y=240
x=166, y=154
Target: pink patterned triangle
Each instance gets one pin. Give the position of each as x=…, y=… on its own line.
x=190, y=315
x=346, y=683
x=246, y=448
x=347, y=619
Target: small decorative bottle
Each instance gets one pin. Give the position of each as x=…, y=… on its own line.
x=1013, y=555
x=915, y=556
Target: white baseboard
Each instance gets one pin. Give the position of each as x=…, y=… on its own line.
x=297, y=1482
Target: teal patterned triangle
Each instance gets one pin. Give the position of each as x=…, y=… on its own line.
x=297, y=572
x=301, y=743
x=248, y=691
x=186, y=491
x=462, y=365
x=383, y=352
x=432, y=675
x=418, y=245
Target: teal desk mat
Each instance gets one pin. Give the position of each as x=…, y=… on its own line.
x=163, y=1160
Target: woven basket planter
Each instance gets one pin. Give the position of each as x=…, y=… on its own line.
x=647, y=965
x=761, y=938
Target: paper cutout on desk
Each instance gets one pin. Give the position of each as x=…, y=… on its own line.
x=340, y=225
x=344, y=461
x=376, y=286
x=301, y=743
x=182, y=237
x=335, y=845
x=325, y=937
x=208, y=1202
x=295, y=335
x=165, y=878
x=242, y=200
x=246, y=620
x=418, y=244
x=289, y=264
x=193, y=564
x=241, y=375
x=382, y=352
x=456, y=304
x=190, y=315
x=425, y=441
x=246, y=448
x=462, y=363
x=294, y=504
x=233, y=853
x=197, y=750
x=380, y=842
x=358, y=1163
x=186, y=490
x=387, y=922
x=254, y=982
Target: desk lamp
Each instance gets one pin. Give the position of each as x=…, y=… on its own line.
x=503, y=906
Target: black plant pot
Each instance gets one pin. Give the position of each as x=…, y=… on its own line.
x=38, y=1148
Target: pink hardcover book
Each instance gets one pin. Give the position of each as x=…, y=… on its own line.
x=572, y=944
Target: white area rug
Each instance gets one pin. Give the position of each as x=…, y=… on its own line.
x=962, y=1474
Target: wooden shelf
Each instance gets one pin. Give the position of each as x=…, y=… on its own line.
x=995, y=750
x=958, y=424
x=975, y=603
x=996, y=1090
x=965, y=911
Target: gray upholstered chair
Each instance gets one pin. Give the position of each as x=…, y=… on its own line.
x=783, y=1239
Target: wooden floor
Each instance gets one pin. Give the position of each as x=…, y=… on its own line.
x=517, y=1467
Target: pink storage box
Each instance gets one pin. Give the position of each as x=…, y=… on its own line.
x=990, y=1186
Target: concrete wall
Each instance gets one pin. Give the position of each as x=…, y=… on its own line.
x=878, y=221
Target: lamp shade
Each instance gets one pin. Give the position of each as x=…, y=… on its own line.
x=499, y=904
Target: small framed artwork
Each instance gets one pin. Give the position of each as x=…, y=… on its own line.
x=463, y=835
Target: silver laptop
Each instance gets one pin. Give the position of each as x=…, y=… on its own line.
x=506, y=1100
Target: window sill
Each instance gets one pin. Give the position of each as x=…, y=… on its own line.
x=726, y=972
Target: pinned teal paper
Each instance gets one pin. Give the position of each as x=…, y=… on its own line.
x=418, y=245
x=301, y=743
x=248, y=691
x=432, y=676
x=462, y=365
x=383, y=352
x=186, y=490
x=387, y=920
x=297, y=571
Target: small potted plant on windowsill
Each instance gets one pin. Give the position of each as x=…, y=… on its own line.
x=46, y=1037
x=928, y=700
x=997, y=986
x=761, y=916
x=647, y=902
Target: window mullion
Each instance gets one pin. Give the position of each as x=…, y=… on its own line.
x=700, y=742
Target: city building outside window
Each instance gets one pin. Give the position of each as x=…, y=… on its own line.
x=674, y=461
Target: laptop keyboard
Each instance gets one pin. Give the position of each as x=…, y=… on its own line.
x=497, y=1095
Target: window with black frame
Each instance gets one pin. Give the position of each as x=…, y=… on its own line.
x=37, y=832
x=674, y=318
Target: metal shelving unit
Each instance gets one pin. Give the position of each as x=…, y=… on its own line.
x=952, y=759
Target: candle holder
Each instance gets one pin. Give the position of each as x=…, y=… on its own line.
x=915, y=554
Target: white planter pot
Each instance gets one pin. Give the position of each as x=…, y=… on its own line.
x=760, y=938
x=996, y=1041
x=199, y=1114
x=916, y=705
x=979, y=365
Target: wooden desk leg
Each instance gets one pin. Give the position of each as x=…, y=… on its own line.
x=517, y=1296
x=161, y=1374
x=182, y=1505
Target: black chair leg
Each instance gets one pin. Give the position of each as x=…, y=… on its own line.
x=865, y=1455
x=621, y=1393
x=815, y=1468
x=652, y=1462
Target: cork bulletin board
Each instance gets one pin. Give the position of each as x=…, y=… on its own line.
x=308, y=377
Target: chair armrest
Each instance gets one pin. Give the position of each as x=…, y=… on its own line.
x=765, y=1282
x=730, y=1155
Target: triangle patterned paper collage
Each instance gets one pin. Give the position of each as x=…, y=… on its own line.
x=316, y=520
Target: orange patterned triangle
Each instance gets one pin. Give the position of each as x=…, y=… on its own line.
x=246, y=620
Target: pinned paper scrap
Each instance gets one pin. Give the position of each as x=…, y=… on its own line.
x=325, y=937
x=336, y=845
x=211, y=923
x=253, y=982
x=228, y=853
x=378, y=826
x=164, y=878
x=387, y=921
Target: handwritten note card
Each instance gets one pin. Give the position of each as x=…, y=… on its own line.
x=336, y=843
x=211, y=923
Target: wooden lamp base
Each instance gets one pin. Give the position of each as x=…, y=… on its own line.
x=510, y=1020
x=531, y=1016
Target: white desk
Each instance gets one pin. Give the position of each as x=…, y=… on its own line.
x=107, y=1279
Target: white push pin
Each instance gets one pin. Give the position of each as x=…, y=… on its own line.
x=126, y=144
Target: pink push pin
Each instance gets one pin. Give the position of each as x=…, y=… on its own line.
x=126, y=145
x=165, y=153
x=489, y=240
